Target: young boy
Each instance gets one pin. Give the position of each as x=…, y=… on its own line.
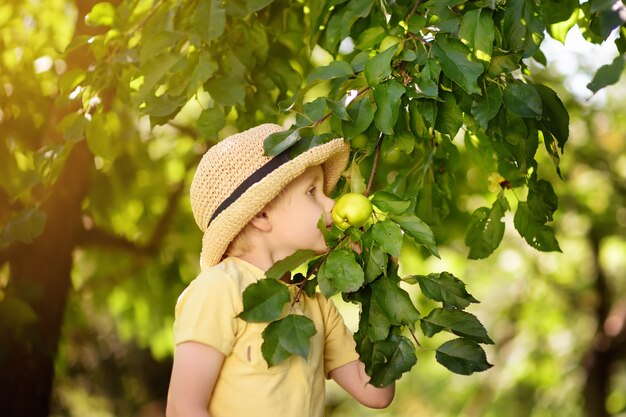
x=254, y=211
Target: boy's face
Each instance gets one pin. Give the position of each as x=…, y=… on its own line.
x=294, y=220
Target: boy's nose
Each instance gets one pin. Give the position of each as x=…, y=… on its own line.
x=330, y=203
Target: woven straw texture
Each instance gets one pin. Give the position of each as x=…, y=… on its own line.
x=228, y=163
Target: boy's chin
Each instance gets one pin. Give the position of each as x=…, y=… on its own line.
x=320, y=249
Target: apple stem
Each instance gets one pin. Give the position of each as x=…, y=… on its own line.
x=374, y=165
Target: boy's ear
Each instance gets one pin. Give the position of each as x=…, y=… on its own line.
x=262, y=222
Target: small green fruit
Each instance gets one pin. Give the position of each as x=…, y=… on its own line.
x=359, y=141
x=351, y=209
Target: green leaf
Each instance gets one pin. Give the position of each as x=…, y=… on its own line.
x=486, y=230
x=263, y=301
x=71, y=79
x=101, y=14
x=389, y=236
x=335, y=69
x=427, y=81
x=394, y=302
x=362, y=114
x=209, y=19
x=15, y=313
x=542, y=200
x=516, y=148
x=287, y=336
x=555, y=117
x=523, y=100
x=601, y=5
x=313, y=111
x=157, y=44
x=370, y=37
x=486, y=107
x=154, y=71
x=256, y=5
x=289, y=263
x=427, y=109
x=357, y=182
x=73, y=126
x=534, y=231
x=480, y=151
x=386, y=360
x=342, y=20
x=416, y=23
x=163, y=107
x=378, y=323
x=418, y=230
x=478, y=32
x=462, y=356
x=338, y=109
x=607, y=21
x=503, y=64
x=340, y=273
x=226, y=90
x=375, y=262
x=457, y=64
x=449, y=116
x=24, y=227
x=372, y=320
x=445, y=288
x=280, y=141
x=390, y=203
x=461, y=323
x=101, y=134
x=559, y=10
x=607, y=74
x=210, y=122
x=379, y=67
x=522, y=29
x=330, y=236
x=387, y=96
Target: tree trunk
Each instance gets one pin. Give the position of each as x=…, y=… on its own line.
x=41, y=271
x=599, y=359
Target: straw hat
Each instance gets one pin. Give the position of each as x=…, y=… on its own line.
x=234, y=181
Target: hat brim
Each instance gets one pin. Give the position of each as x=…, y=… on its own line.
x=333, y=156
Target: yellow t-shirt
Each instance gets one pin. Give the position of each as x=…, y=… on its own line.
x=206, y=312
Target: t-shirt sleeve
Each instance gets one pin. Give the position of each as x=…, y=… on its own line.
x=339, y=346
x=206, y=312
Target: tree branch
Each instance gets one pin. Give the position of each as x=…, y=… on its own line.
x=374, y=165
x=97, y=237
x=93, y=236
x=413, y=10
x=599, y=359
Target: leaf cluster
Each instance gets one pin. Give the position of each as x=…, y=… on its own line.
x=362, y=266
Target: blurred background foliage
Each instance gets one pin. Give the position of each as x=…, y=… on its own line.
x=558, y=319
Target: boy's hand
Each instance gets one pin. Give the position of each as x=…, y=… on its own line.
x=352, y=378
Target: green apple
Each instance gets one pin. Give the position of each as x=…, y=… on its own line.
x=351, y=209
x=359, y=141
x=389, y=41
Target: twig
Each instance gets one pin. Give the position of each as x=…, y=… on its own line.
x=141, y=24
x=327, y=115
x=301, y=285
x=374, y=165
x=413, y=10
x=419, y=345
